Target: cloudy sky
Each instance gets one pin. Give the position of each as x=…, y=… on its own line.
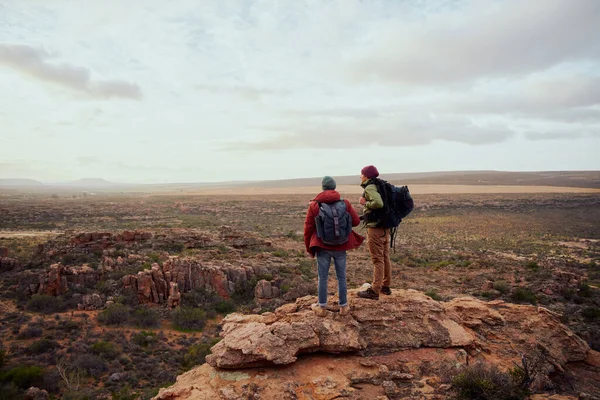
x=212, y=90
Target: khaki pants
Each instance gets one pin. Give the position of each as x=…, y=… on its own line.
x=378, y=240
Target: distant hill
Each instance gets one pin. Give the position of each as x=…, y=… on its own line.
x=20, y=183
x=92, y=182
x=579, y=179
x=583, y=179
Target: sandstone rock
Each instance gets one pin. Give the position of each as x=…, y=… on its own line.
x=128, y=236
x=278, y=338
x=263, y=290
x=34, y=393
x=566, y=278
x=116, y=377
x=390, y=388
x=154, y=286
x=7, y=264
x=312, y=376
x=593, y=358
x=92, y=301
x=240, y=239
x=523, y=326
x=473, y=313
x=174, y=295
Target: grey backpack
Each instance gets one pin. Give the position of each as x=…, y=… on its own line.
x=334, y=223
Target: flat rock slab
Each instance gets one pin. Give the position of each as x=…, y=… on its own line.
x=406, y=319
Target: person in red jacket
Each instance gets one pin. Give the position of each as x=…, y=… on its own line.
x=324, y=253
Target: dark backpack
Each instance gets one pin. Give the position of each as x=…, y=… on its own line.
x=400, y=204
x=334, y=223
x=397, y=204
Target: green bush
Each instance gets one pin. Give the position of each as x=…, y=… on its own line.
x=144, y=338
x=124, y=393
x=197, y=353
x=30, y=331
x=144, y=317
x=280, y=253
x=307, y=268
x=591, y=313
x=224, y=306
x=45, y=304
x=484, y=382
x=198, y=298
x=24, y=376
x=10, y=391
x=568, y=293
x=116, y=314
x=584, y=289
x=105, y=349
x=189, y=319
x=433, y=294
x=90, y=363
x=501, y=286
x=523, y=295
x=532, y=265
x=42, y=346
x=244, y=292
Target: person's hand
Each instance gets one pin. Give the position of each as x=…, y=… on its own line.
x=362, y=201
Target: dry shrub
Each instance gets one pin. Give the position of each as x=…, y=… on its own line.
x=487, y=382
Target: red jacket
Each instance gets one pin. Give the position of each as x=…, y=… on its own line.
x=311, y=241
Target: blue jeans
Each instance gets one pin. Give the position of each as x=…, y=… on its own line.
x=323, y=261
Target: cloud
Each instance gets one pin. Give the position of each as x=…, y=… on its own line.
x=481, y=40
x=34, y=62
x=88, y=161
x=383, y=131
x=558, y=97
x=246, y=92
x=564, y=133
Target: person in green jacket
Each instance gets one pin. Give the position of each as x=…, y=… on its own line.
x=378, y=239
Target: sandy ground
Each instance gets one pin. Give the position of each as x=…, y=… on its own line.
x=414, y=189
x=16, y=234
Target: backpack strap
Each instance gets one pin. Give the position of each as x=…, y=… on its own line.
x=336, y=221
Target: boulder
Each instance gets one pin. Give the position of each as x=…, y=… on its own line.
x=409, y=319
x=34, y=393
x=399, y=347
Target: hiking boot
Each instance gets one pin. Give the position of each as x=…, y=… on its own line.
x=345, y=310
x=369, y=294
x=386, y=290
x=318, y=310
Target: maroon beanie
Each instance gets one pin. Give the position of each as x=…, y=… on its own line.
x=370, y=171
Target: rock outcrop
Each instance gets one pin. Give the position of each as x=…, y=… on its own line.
x=7, y=263
x=402, y=346
x=407, y=320
x=265, y=290
x=78, y=263
x=189, y=274
x=34, y=393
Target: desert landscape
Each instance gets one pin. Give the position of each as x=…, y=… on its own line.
x=158, y=159
x=115, y=295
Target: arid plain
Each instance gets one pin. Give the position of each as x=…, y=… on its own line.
x=116, y=294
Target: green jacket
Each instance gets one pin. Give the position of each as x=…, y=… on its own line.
x=374, y=201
